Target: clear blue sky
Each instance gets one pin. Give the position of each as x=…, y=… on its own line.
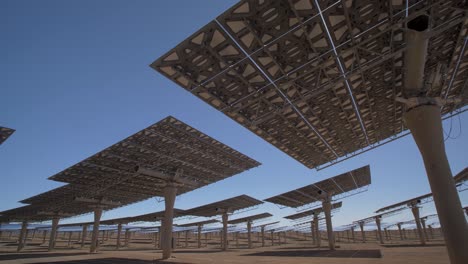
x=74, y=79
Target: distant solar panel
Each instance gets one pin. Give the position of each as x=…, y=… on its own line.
x=206, y=222
x=312, y=212
x=231, y=205
x=267, y=224
x=405, y=203
x=459, y=178
x=249, y=218
x=63, y=199
x=23, y=213
x=318, y=79
x=372, y=218
x=5, y=133
x=340, y=184
x=157, y=216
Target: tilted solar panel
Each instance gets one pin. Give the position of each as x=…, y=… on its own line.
x=5, y=133
x=340, y=184
x=249, y=218
x=229, y=205
x=318, y=79
x=312, y=212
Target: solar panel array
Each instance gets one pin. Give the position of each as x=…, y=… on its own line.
x=311, y=212
x=231, y=204
x=249, y=218
x=5, y=133
x=318, y=79
x=340, y=184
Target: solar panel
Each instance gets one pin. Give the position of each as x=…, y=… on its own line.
x=461, y=176
x=267, y=224
x=64, y=199
x=212, y=221
x=165, y=147
x=318, y=79
x=312, y=212
x=23, y=213
x=249, y=218
x=405, y=203
x=5, y=133
x=340, y=184
x=231, y=205
x=157, y=216
x=372, y=218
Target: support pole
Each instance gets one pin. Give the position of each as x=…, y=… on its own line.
x=425, y=125
x=53, y=233
x=352, y=234
x=119, y=231
x=94, y=237
x=83, y=235
x=312, y=232
x=272, y=238
x=249, y=234
x=225, y=229
x=379, y=229
x=326, y=204
x=423, y=223
x=170, y=192
x=69, y=238
x=400, y=231
x=415, y=210
x=263, y=235
x=430, y=231
x=127, y=237
x=186, y=238
x=199, y=235
x=44, y=235
x=22, y=236
x=363, y=234
x=317, y=231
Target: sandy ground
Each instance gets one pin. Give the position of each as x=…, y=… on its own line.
x=297, y=249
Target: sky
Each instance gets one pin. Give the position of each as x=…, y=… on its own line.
x=74, y=79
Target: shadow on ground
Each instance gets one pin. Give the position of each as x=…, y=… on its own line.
x=36, y=255
x=413, y=245
x=371, y=253
x=199, y=251
x=115, y=261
